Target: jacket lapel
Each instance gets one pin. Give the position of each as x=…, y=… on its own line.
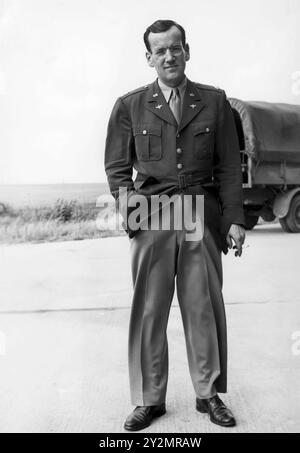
x=192, y=104
x=156, y=103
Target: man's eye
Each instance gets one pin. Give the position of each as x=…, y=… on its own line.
x=176, y=49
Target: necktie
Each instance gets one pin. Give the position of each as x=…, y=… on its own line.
x=175, y=104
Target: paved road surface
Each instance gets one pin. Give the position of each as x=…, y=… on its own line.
x=64, y=311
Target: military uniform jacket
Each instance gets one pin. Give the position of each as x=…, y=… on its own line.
x=200, y=155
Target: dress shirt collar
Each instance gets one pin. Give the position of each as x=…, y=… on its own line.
x=166, y=90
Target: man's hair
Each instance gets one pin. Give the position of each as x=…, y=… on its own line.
x=161, y=26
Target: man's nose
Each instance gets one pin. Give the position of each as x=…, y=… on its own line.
x=169, y=56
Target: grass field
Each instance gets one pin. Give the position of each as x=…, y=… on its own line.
x=61, y=221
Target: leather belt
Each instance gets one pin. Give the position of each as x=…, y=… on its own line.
x=192, y=180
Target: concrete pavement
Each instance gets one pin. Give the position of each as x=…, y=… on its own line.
x=64, y=312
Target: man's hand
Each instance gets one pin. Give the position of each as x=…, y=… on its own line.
x=236, y=233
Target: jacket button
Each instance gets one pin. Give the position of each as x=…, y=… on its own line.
x=179, y=166
x=144, y=132
x=178, y=135
x=179, y=150
x=207, y=129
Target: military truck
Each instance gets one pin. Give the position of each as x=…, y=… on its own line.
x=269, y=139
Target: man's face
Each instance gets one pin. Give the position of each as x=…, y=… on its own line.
x=168, y=56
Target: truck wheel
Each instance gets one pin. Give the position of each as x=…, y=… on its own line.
x=250, y=221
x=291, y=222
x=284, y=225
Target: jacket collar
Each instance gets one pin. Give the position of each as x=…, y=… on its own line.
x=192, y=104
x=166, y=90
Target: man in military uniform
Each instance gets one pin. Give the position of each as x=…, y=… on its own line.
x=181, y=139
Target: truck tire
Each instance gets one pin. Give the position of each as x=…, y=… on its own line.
x=284, y=225
x=250, y=221
x=291, y=222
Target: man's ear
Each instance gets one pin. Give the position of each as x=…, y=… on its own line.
x=187, y=52
x=149, y=59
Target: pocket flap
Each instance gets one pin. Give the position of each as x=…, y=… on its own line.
x=147, y=129
x=203, y=128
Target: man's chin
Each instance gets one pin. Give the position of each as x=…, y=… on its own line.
x=173, y=77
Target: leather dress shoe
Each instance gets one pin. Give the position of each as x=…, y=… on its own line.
x=142, y=416
x=218, y=412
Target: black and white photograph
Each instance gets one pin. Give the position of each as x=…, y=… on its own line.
x=150, y=219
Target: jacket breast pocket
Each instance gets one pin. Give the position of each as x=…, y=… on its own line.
x=203, y=140
x=147, y=140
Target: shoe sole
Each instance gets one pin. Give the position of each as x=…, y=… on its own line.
x=158, y=414
x=225, y=425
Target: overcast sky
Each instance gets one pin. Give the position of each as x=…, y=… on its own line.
x=64, y=62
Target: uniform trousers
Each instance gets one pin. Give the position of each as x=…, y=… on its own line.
x=160, y=259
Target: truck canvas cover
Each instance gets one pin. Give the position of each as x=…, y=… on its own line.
x=271, y=131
